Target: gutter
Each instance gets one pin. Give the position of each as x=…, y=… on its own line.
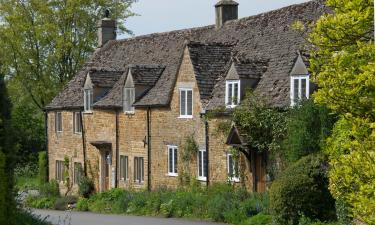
x=149, y=148
x=117, y=149
x=83, y=143
x=46, y=139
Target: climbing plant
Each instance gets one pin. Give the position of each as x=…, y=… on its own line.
x=189, y=151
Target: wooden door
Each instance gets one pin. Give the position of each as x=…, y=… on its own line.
x=260, y=170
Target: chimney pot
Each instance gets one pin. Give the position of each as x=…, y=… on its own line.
x=226, y=10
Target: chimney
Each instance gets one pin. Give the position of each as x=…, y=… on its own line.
x=106, y=29
x=225, y=10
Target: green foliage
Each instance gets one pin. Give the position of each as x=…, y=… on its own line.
x=307, y=221
x=28, y=218
x=42, y=168
x=189, y=151
x=342, y=63
x=220, y=202
x=302, y=189
x=308, y=125
x=351, y=150
x=83, y=204
x=50, y=189
x=3, y=190
x=40, y=202
x=85, y=186
x=259, y=219
x=263, y=125
x=342, y=213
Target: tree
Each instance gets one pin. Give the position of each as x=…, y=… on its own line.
x=343, y=64
x=6, y=158
x=48, y=41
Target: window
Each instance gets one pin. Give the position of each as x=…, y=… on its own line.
x=186, y=103
x=138, y=170
x=88, y=100
x=77, y=172
x=77, y=123
x=124, y=167
x=299, y=88
x=232, y=93
x=59, y=170
x=202, y=164
x=58, y=122
x=129, y=98
x=232, y=168
x=172, y=160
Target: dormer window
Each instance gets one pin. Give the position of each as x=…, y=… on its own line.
x=232, y=93
x=299, y=88
x=88, y=100
x=129, y=98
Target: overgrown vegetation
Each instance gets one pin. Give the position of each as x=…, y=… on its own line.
x=220, y=202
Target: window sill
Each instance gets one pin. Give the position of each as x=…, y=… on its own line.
x=139, y=183
x=231, y=106
x=185, y=117
x=59, y=132
x=234, y=179
x=172, y=174
x=88, y=112
x=129, y=112
x=202, y=178
x=78, y=133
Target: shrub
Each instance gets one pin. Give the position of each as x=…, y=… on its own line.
x=40, y=202
x=83, y=204
x=63, y=202
x=42, y=168
x=302, y=189
x=50, y=189
x=307, y=221
x=85, y=187
x=28, y=218
x=259, y=219
x=3, y=190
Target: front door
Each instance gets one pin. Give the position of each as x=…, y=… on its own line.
x=106, y=159
x=260, y=171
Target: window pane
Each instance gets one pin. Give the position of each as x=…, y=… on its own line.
x=135, y=168
x=183, y=103
x=296, y=84
x=142, y=170
x=175, y=160
x=91, y=99
x=303, y=88
x=230, y=165
x=189, y=103
x=205, y=163
x=200, y=163
x=229, y=94
x=235, y=94
x=170, y=158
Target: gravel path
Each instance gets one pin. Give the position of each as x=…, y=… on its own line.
x=85, y=218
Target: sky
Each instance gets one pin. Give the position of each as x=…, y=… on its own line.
x=167, y=15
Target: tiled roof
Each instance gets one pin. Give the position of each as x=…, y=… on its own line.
x=104, y=79
x=265, y=37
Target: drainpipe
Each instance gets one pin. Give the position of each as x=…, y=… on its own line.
x=46, y=137
x=149, y=149
x=83, y=143
x=117, y=149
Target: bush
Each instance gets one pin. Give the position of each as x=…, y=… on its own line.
x=302, y=189
x=50, y=189
x=40, y=202
x=3, y=190
x=82, y=204
x=259, y=219
x=27, y=218
x=64, y=202
x=42, y=168
x=307, y=221
x=85, y=187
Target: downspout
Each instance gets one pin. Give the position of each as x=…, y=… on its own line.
x=117, y=149
x=46, y=137
x=207, y=151
x=83, y=143
x=149, y=149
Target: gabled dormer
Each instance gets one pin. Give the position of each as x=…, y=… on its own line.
x=242, y=75
x=88, y=97
x=138, y=81
x=97, y=84
x=299, y=82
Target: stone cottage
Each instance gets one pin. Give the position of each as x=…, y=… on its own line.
x=126, y=117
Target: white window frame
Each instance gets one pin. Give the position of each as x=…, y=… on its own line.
x=88, y=107
x=132, y=109
x=233, y=177
x=58, y=122
x=231, y=104
x=173, y=172
x=137, y=161
x=185, y=114
x=59, y=170
x=77, y=115
x=77, y=172
x=299, y=79
x=124, y=177
x=203, y=162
